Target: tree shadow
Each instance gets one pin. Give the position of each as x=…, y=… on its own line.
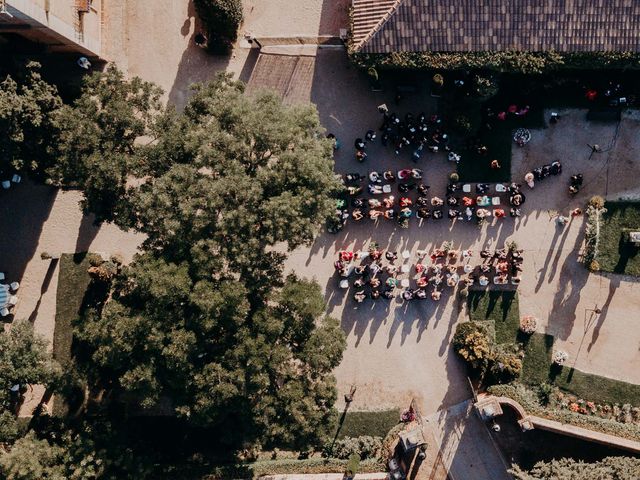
x=87, y=233
x=53, y=264
x=23, y=211
x=627, y=251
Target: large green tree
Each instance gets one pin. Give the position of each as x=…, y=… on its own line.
x=95, y=139
x=610, y=468
x=259, y=373
x=24, y=360
x=27, y=107
x=241, y=172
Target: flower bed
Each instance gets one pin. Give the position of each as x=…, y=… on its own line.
x=623, y=421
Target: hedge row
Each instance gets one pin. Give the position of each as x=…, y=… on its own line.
x=529, y=401
x=508, y=62
x=291, y=466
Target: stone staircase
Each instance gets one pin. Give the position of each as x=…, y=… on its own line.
x=367, y=15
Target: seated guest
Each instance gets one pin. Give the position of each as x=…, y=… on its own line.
x=452, y=201
x=437, y=214
x=437, y=202
x=423, y=213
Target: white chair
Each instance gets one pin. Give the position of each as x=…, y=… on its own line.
x=404, y=268
x=6, y=184
x=495, y=201
x=406, y=254
x=466, y=188
x=386, y=189
x=14, y=286
x=4, y=312
x=344, y=284
x=500, y=188
x=13, y=300
x=16, y=178
x=404, y=283
x=1, y=276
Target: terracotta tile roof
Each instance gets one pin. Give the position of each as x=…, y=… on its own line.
x=494, y=25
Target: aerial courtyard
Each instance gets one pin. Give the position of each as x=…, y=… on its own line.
x=479, y=247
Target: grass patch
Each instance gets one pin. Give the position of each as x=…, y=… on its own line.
x=498, y=307
x=596, y=388
x=375, y=424
x=73, y=281
x=536, y=365
x=616, y=255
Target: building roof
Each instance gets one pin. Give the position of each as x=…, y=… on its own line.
x=385, y=26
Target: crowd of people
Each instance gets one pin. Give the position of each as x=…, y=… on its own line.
x=415, y=133
x=380, y=274
x=403, y=194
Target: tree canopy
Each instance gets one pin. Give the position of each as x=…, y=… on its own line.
x=261, y=375
x=27, y=105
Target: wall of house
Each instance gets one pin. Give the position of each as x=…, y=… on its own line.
x=58, y=24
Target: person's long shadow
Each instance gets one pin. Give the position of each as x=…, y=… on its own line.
x=573, y=277
x=556, y=259
x=613, y=287
x=543, y=271
x=44, y=288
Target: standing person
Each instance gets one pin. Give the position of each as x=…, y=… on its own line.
x=200, y=40
x=495, y=165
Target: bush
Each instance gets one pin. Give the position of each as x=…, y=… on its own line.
x=505, y=367
x=221, y=18
x=596, y=202
x=9, y=427
x=472, y=343
x=353, y=466
x=364, y=446
x=454, y=177
x=485, y=87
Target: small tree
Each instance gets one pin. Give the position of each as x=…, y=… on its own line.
x=472, y=343
x=353, y=466
x=221, y=18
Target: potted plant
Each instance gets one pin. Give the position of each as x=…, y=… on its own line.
x=437, y=83
x=374, y=80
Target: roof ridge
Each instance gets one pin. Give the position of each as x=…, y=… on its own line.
x=379, y=25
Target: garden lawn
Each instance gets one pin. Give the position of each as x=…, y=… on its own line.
x=73, y=281
x=375, y=424
x=536, y=364
x=615, y=254
x=595, y=388
x=500, y=309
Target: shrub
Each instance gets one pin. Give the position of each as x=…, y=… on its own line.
x=463, y=125
x=364, y=446
x=103, y=272
x=485, y=86
x=505, y=367
x=472, y=343
x=117, y=259
x=221, y=18
x=454, y=177
x=596, y=202
x=9, y=427
x=95, y=260
x=353, y=466
x=594, y=266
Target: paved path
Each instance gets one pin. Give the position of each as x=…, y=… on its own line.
x=466, y=447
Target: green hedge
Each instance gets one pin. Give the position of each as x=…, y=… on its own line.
x=289, y=466
x=513, y=62
x=374, y=424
